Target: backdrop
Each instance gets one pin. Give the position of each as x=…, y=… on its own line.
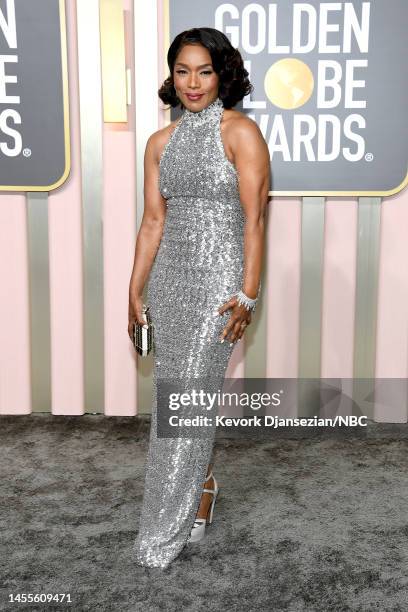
x=335, y=287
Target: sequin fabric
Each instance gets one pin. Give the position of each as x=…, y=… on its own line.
x=198, y=266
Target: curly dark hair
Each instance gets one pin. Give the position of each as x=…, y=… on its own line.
x=226, y=60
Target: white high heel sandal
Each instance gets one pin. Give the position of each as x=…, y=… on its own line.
x=198, y=529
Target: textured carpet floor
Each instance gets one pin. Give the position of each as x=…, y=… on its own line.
x=307, y=524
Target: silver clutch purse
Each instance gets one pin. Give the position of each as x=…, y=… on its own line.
x=143, y=339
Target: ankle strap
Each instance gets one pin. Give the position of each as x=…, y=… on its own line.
x=209, y=476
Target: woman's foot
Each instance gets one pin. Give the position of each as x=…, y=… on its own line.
x=205, y=511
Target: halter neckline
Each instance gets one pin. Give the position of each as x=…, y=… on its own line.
x=199, y=117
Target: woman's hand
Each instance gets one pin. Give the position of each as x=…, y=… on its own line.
x=135, y=313
x=239, y=319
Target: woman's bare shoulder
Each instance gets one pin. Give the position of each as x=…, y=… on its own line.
x=237, y=123
x=157, y=141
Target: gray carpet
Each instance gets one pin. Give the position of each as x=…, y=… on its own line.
x=300, y=524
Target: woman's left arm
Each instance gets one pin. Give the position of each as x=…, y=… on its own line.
x=252, y=161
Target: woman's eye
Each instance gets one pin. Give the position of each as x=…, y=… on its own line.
x=203, y=72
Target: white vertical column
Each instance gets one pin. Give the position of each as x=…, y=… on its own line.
x=91, y=125
x=313, y=209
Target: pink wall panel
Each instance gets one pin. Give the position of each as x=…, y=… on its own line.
x=339, y=287
x=392, y=320
x=15, y=382
x=119, y=240
x=65, y=237
x=283, y=264
x=392, y=327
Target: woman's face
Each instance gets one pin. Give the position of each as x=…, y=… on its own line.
x=194, y=74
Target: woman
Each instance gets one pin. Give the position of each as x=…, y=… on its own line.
x=201, y=240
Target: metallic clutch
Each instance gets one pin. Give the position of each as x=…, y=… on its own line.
x=143, y=338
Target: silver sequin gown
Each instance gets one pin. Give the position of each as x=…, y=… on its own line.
x=198, y=266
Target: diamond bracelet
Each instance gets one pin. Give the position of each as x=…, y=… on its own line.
x=249, y=303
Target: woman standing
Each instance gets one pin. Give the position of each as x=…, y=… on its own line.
x=201, y=244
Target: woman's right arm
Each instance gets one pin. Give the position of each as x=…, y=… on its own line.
x=150, y=231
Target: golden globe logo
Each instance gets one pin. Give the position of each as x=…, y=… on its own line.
x=328, y=28
x=289, y=83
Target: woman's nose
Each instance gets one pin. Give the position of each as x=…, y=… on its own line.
x=192, y=81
